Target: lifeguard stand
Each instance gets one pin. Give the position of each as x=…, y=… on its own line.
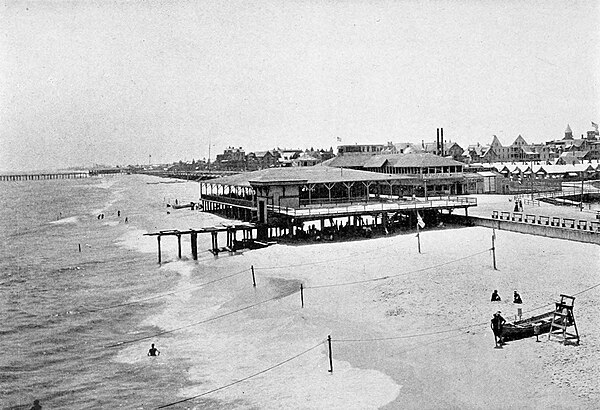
x=563, y=319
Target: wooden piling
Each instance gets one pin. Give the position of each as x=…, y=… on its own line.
x=179, y=246
x=194, y=243
x=330, y=356
x=215, y=244
x=158, y=240
x=253, y=278
x=494, y=248
x=302, y=294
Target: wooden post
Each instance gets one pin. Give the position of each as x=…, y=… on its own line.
x=179, y=246
x=302, y=294
x=79, y=247
x=418, y=236
x=158, y=239
x=494, y=247
x=215, y=242
x=194, y=240
x=330, y=357
x=253, y=278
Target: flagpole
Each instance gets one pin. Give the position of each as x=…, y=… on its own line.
x=418, y=234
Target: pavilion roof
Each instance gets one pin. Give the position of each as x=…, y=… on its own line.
x=412, y=160
x=311, y=175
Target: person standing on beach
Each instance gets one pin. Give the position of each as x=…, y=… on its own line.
x=496, y=325
x=153, y=351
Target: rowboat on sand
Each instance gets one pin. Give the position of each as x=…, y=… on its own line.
x=521, y=329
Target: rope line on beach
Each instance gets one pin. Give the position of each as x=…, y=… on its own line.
x=586, y=290
x=323, y=261
x=243, y=379
x=375, y=339
x=552, y=303
x=397, y=275
x=200, y=322
x=164, y=294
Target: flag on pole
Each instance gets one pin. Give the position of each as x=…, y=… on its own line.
x=595, y=126
x=420, y=221
x=339, y=139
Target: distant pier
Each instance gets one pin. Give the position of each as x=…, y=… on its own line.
x=44, y=175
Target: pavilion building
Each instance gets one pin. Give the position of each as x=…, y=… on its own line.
x=288, y=197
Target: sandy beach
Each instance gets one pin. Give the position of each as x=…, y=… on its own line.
x=412, y=333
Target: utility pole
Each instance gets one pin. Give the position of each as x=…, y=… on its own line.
x=581, y=200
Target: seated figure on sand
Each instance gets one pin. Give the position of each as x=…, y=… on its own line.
x=496, y=296
x=517, y=298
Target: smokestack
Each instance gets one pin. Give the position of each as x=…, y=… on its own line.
x=437, y=141
x=441, y=142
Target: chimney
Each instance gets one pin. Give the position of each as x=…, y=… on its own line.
x=441, y=142
x=437, y=141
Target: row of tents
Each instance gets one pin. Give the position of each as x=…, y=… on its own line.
x=515, y=170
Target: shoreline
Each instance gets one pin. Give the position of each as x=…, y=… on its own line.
x=352, y=312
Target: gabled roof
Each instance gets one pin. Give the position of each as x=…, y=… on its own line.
x=377, y=161
x=261, y=154
x=495, y=142
x=520, y=141
x=348, y=161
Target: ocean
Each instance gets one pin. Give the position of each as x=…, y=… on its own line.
x=62, y=273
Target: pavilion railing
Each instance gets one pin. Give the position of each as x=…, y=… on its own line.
x=348, y=208
x=229, y=200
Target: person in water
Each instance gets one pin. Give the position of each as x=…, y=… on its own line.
x=153, y=351
x=517, y=298
x=496, y=296
x=36, y=405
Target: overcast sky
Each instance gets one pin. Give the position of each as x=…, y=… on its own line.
x=117, y=82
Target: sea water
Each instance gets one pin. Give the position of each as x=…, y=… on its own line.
x=68, y=258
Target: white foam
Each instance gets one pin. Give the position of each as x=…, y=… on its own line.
x=69, y=220
x=135, y=240
x=181, y=267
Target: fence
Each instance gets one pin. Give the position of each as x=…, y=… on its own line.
x=570, y=223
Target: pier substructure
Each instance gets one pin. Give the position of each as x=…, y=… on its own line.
x=231, y=231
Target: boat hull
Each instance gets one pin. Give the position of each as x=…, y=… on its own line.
x=522, y=329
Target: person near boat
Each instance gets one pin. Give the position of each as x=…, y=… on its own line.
x=496, y=324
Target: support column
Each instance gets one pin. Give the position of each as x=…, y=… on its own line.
x=179, y=246
x=194, y=243
x=215, y=244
